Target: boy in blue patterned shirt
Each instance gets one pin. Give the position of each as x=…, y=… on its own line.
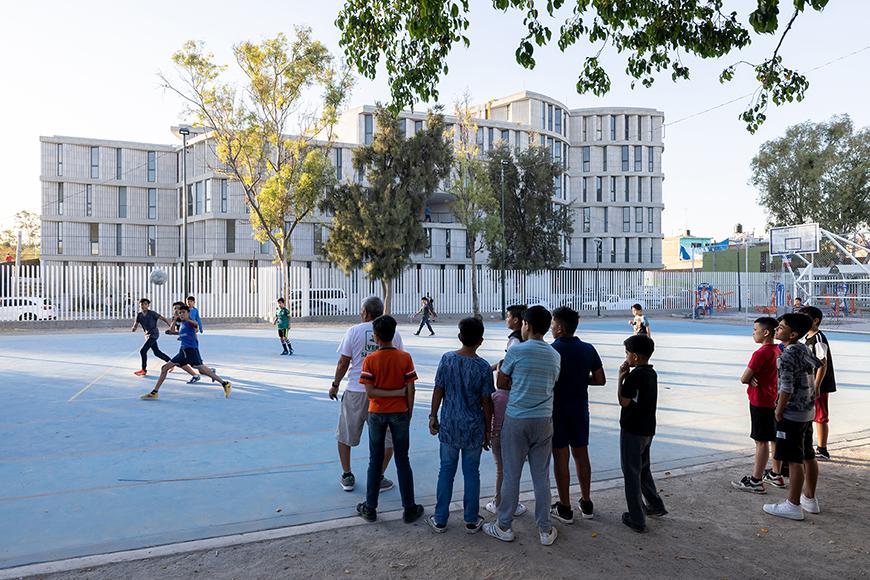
x=464, y=384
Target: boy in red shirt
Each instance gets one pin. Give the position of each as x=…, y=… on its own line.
x=760, y=378
x=388, y=375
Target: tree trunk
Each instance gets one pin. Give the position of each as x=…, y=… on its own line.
x=387, y=289
x=475, y=301
x=285, y=277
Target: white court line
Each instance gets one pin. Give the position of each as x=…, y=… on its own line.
x=96, y=380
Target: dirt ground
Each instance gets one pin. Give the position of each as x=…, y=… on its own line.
x=711, y=531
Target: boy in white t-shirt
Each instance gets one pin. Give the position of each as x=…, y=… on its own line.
x=358, y=342
x=640, y=323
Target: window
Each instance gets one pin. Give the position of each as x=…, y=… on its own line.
x=625, y=157
x=119, y=164
x=640, y=249
x=339, y=174
x=190, y=200
x=625, y=135
x=318, y=239
x=650, y=159
x=446, y=243
x=231, y=236
x=505, y=136
x=95, y=162
x=651, y=251
x=586, y=155
x=583, y=121
x=587, y=226
x=626, y=186
x=264, y=247
x=119, y=239
x=152, y=203
x=604, y=158
x=613, y=127
x=627, y=250
x=368, y=129
x=151, y=242
x=60, y=238
x=585, y=249
x=59, y=159
x=89, y=200
x=606, y=219
x=517, y=142
x=638, y=157
x=626, y=219
x=650, y=219
x=60, y=198
x=198, y=190
x=428, y=253
x=152, y=167
x=598, y=192
x=639, y=189
x=224, y=195
x=612, y=250
x=558, y=126
x=361, y=175
x=565, y=155
x=638, y=219
x=585, y=189
x=557, y=186
x=543, y=115
x=95, y=239
x=418, y=126
x=549, y=117
x=613, y=188
x=207, y=195
x=490, y=138
x=639, y=127
x=597, y=120
x=122, y=202
x=650, y=132
x=469, y=245
x=479, y=139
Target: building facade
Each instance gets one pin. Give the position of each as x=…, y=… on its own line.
x=118, y=201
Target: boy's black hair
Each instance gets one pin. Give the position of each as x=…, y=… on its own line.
x=539, y=319
x=798, y=322
x=424, y=298
x=637, y=307
x=767, y=323
x=813, y=312
x=183, y=307
x=798, y=299
x=144, y=301
x=281, y=299
x=517, y=310
x=384, y=327
x=178, y=304
x=191, y=298
x=640, y=344
x=568, y=318
x=470, y=331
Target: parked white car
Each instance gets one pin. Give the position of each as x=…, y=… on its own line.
x=612, y=302
x=321, y=302
x=26, y=308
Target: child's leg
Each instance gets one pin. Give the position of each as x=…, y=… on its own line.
x=143, y=353
x=821, y=420
x=471, y=479
x=811, y=477
x=540, y=450
x=189, y=370
x=647, y=484
x=562, y=475
x=205, y=370
x=822, y=437
x=446, y=475
x=630, y=451
x=377, y=433
x=584, y=470
x=499, y=471
x=159, y=353
x=164, y=370
x=400, y=424
x=762, y=451
x=795, y=482
x=514, y=450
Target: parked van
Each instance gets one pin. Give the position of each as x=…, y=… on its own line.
x=26, y=308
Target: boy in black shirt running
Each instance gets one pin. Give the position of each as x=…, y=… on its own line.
x=148, y=320
x=638, y=390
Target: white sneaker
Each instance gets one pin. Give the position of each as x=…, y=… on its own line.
x=810, y=504
x=521, y=509
x=784, y=509
x=547, y=539
x=492, y=529
x=491, y=507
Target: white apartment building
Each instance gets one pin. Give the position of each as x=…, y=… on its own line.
x=120, y=202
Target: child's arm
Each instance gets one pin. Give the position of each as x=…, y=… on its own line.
x=437, y=397
x=375, y=393
x=747, y=377
x=597, y=378
x=135, y=325
x=623, y=375
x=504, y=381
x=164, y=319
x=486, y=400
x=780, y=405
x=410, y=388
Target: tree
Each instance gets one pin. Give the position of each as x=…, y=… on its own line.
x=534, y=226
x=415, y=38
x=284, y=177
x=28, y=223
x=816, y=172
x=376, y=225
x=474, y=203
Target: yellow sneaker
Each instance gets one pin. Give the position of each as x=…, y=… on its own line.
x=152, y=396
x=227, y=388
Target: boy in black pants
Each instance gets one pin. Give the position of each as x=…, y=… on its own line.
x=148, y=319
x=637, y=394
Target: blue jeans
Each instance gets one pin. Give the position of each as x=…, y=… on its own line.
x=399, y=424
x=471, y=476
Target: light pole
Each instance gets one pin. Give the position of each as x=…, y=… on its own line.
x=597, y=270
x=504, y=163
x=184, y=131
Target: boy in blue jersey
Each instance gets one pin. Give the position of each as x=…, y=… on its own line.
x=188, y=355
x=194, y=313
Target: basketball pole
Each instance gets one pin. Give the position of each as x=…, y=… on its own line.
x=184, y=131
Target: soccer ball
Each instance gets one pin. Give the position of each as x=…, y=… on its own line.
x=158, y=277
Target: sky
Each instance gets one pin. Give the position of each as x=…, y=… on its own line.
x=89, y=69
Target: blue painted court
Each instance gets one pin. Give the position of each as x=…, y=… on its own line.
x=86, y=467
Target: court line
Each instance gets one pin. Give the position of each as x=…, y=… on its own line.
x=96, y=380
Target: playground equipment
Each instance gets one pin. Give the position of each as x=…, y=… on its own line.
x=708, y=299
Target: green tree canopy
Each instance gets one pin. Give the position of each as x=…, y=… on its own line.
x=414, y=38
x=376, y=224
x=816, y=172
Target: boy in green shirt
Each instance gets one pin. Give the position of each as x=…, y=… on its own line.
x=282, y=320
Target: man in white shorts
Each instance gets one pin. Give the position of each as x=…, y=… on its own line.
x=358, y=341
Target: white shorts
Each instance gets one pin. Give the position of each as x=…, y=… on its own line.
x=353, y=416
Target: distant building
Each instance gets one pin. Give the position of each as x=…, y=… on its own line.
x=677, y=251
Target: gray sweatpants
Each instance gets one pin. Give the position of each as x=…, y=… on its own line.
x=521, y=439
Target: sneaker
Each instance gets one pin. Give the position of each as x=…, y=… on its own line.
x=810, y=504
x=548, y=538
x=140, y=373
x=822, y=453
x=227, y=389
x=655, y=512
x=152, y=396
x=562, y=513
x=474, y=527
x=193, y=379
x=285, y=352
x=586, y=509
x=492, y=529
x=491, y=507
x=431, y=334
x=436, y=527
x=747, y=484
x=290, y=352
x=784, y=509
x=366, y=513
x=412, y=514
x=386, y=484
x=347, y=481
x=626, y=519
x=775, y=480
x=521, y=509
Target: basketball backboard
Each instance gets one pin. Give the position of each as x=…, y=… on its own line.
x=789, y=240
